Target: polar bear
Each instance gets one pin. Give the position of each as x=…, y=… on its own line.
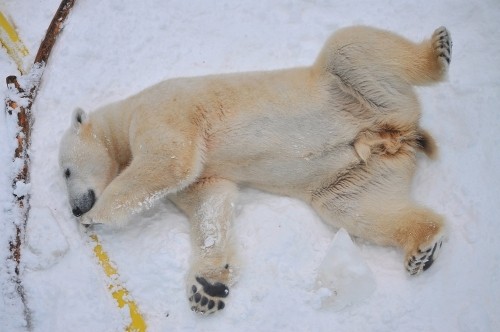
x=341, y=135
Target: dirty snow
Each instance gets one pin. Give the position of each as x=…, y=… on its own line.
x=111, y=49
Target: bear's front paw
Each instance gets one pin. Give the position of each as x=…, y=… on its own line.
x=86, y=220
x=98, y=215
x=90, y=218
x=206, y=297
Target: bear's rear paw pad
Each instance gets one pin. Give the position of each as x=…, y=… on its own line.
x=205, y=297
x=423, y=257
x=442, y=44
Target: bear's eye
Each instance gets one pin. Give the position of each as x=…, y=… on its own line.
x=67, y=173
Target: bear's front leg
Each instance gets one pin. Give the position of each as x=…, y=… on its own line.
x=209, y=203
x=138, y=187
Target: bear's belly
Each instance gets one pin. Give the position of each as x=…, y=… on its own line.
x=282, y=154
x=286, y=175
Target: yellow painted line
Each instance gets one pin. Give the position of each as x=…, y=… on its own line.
x=119, y=292
x=12, y=43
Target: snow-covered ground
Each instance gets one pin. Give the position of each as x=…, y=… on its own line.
x=111, y=49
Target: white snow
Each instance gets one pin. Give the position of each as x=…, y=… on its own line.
x=21, y=188
x=111, y=49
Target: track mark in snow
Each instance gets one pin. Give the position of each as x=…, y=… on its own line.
x=44, y=238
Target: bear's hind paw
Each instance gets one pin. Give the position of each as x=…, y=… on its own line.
x=442, y=44
x=423, y=258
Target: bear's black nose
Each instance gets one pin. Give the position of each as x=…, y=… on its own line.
x=83, y=203
x=77, y=212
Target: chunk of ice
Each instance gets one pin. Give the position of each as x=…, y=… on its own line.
x=344, y=273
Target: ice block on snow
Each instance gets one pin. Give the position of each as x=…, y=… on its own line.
x=343, y=278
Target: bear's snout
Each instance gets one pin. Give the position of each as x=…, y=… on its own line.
x=83, y=203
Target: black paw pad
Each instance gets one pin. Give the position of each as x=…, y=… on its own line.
x=217, y=289
x=206, y=297
x=430, y=256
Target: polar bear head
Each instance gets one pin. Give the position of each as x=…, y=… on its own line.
x=85, y=162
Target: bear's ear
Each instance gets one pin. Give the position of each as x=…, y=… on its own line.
x=79, y=118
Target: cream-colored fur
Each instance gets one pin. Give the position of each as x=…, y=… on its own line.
x=341, y=135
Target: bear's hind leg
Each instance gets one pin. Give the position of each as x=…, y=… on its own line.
x=364, y=55
x=418, y=231
x=372, y=201
x=379, y=69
